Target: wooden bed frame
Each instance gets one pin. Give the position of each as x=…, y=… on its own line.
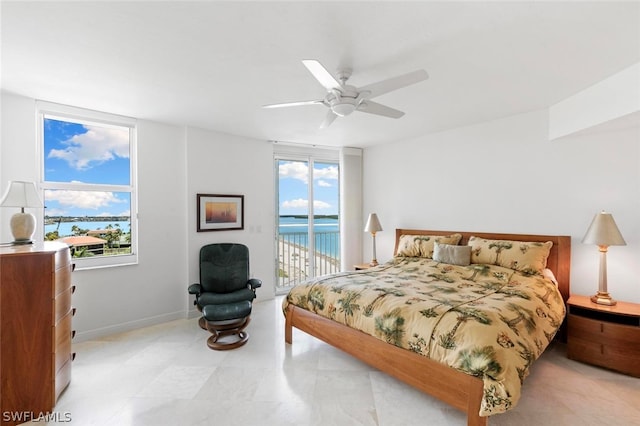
x=457, y=389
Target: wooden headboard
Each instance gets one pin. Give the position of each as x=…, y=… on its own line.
x=559, y=260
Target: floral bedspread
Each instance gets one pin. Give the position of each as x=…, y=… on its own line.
x=485, y=320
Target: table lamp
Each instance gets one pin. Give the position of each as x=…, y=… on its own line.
x=22, y=194
x=373, y=226
x=604, y=233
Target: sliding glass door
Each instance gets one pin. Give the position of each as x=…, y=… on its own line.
x=308, y=231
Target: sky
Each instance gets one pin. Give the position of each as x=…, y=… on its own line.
x=294, y=192
x=82, y=153
x=97, y=154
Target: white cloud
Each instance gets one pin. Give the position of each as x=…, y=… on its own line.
x=300, y=170
x=83, y=199
x=324, y=183
x=295, y=170
x=96, y=146
x=319, y=205
x=301, y=203
x=330, y=172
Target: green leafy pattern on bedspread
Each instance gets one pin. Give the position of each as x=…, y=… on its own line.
x=484, y=320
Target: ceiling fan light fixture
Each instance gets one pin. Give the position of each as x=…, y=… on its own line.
x=343, y=109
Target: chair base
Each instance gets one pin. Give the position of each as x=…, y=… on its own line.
x=220, y=329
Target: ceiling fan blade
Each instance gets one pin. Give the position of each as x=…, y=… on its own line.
x=331, y=116
x=379, y=109
x=290, y=104
x=394, y=83
x=321, y=74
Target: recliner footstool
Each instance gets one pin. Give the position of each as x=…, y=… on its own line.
x=226, y=320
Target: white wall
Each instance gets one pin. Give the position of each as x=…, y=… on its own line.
x=174, y=164
x=506, y=176
x=219, y=163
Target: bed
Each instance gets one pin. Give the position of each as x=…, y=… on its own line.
x=429, y=323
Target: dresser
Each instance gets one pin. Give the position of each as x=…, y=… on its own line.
x=35, y=328
x=607, y=336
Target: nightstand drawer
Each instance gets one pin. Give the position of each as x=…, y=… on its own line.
x=611, y=345
x=604, y=332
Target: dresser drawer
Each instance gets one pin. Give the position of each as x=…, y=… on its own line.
x=62, y=279
x=62, y=379
x=63, y=305
x=62, y=349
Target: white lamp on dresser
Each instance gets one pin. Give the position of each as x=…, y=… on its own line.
x=23, y=195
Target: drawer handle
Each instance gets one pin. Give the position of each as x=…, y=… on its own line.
x=73, y=334
x=73, y=356
x=73, y=267
x=73, y=289
x=73, y=311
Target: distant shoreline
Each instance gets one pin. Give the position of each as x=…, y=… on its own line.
x=315, y=216
x=49, y=220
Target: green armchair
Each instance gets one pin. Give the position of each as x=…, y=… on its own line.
x=225, y=293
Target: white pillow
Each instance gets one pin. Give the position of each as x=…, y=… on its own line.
x=454, y=255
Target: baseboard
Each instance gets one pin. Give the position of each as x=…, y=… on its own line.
x=128, y=326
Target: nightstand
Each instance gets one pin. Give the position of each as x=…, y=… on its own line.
x=606, y=336
x=361, y=266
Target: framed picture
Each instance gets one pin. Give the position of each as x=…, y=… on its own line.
x=218, y=212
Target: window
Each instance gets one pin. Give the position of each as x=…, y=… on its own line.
x=308, y=230
x=88, y=178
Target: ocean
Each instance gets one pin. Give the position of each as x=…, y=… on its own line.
x=327, y=233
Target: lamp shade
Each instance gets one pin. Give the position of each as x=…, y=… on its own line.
x=21, y=194
x=373, y=224
x=603, y=231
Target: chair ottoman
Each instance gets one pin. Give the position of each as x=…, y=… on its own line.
x=227, y=320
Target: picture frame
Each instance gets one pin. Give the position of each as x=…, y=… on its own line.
x=220, y=212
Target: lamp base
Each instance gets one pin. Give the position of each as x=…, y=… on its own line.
x=23, y=226
x=603, y=298
x=21, y=242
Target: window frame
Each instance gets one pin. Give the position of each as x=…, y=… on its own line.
x=309, y=155
x=85, y=116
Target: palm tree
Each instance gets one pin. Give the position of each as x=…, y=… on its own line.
x=490, y=286
x=545, y=297
x=438, y=289
x=528, y=356
x=431, y=312
x=479, y=362
x=478, y=269
x=418, y=344
x=499, y=246
x=316, y=299
x=389, y=325
x=348, y=305
x=513, y=292
x=442, y=277
x=522, y=315
x=465, y=314
x=383, y=292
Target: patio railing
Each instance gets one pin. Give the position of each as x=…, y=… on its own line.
x=294, y=264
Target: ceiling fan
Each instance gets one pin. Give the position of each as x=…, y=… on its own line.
x=343, y=99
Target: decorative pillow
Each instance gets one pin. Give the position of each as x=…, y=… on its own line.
x=454, y=255
x=524, y=256
x=422, y=245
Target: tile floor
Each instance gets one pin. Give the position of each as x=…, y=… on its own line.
x=166, y=375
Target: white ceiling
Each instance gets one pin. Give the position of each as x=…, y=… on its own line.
x=213, y=64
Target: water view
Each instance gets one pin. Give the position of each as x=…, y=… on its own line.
x=65, y=228
x=326, y=230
